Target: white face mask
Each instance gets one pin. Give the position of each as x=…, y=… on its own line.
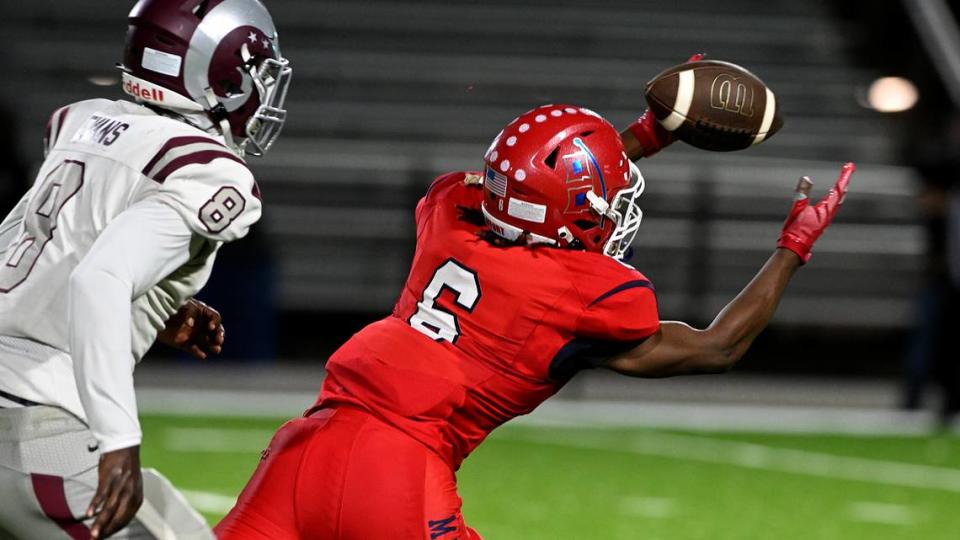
x=625, y=212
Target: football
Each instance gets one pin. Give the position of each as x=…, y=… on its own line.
x=714, y=105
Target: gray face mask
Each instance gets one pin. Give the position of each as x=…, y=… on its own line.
x=271, y=80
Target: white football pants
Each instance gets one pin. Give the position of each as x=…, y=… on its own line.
x=48, y=475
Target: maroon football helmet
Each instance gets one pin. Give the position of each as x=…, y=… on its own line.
x=558, y=175
x=220, y=57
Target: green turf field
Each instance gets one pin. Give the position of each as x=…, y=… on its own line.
x=565, y=483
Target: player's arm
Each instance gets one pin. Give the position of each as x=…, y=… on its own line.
x=645, y=136
x=678, y=349
x=141, y=246
x=456, y=189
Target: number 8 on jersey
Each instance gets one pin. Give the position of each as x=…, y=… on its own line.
x=225, y=206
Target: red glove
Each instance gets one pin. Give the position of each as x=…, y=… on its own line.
x=648, y=131
x=806, y=223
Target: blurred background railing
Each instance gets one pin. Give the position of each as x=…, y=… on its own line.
x=389, y=94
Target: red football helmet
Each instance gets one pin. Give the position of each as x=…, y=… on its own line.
x=558, y=175
x=220, y=57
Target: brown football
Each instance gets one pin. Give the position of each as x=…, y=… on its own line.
x=714, y=105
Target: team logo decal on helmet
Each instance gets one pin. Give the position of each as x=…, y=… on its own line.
x=558, y=175
x=584, y=172
x=221, y=57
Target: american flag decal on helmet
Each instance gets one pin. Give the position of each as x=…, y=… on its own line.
x=496, y=182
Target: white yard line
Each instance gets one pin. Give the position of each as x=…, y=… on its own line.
x=755, y=456
x=649, y=507
x=216, y=440
x=883, y=513
x=209, y=502
x=731, y=417
x=653, y=414
x=233, y=403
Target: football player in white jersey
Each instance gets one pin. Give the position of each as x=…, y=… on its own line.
x=104, y=253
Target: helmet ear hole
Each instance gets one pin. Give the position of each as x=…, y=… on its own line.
x=551, y=160
x=230, y=87
x=584, y=225
x=201, y=8
x=586, y=133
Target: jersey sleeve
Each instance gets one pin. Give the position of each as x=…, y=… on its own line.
x=55, y=125
x=463, y=189
x=212, y=190
x=620, y=305
x=152, y=309
x=613, y=310
x=140, y=246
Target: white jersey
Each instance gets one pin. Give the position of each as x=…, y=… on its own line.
x=119, y=229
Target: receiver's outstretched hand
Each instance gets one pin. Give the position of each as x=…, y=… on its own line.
x=806, y=223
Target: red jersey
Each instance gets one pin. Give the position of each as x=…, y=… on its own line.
x=484, y=333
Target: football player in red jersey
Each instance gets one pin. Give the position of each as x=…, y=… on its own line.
x=515, y=286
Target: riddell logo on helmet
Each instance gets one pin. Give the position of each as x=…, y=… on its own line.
x=143, y=92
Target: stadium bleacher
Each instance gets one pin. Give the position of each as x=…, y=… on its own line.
x=389, y=94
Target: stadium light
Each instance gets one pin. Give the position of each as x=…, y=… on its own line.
x=103, y=80
x=892, y=94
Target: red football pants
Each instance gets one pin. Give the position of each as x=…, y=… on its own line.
x=341, y=474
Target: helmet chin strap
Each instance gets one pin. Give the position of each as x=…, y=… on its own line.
x=599, y=205
x=216, y=109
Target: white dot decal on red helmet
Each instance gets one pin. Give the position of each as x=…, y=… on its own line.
x=524, y=127
x=493, y=155
x=556, y=112
x=625, y=176
x=505, y=165
x=541, y=118
x=571, y=110
x=520, y=175
x=512, y=140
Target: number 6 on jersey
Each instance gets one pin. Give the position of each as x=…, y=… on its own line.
x=436, y=322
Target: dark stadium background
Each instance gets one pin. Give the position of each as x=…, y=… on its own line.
x=389, y=94
x=805, y=439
